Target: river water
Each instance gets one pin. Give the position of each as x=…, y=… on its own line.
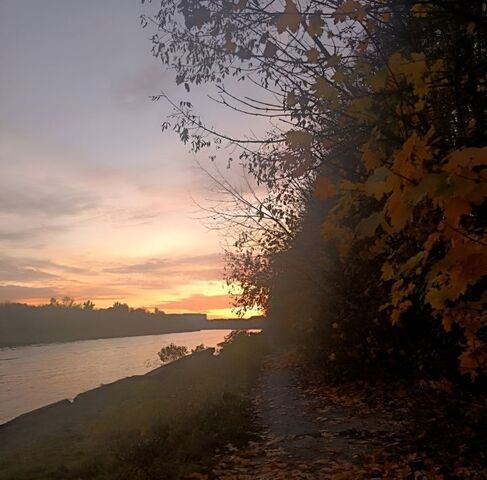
x=37, y=375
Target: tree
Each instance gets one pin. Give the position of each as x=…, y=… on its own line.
x=53, y=302
x=88, y=305
x=121, y=306
x=383, y=109
x=68, y=302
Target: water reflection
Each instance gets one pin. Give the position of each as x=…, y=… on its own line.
x=37, y=375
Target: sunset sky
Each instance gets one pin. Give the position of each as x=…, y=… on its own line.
x=95, y=202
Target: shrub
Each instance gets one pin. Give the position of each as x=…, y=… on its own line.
x=172, y=352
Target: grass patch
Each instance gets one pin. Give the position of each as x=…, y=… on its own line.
x=176, y=449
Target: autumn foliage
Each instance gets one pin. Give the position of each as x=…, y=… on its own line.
x=379, y=177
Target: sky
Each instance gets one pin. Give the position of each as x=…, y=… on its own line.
x=95, y=201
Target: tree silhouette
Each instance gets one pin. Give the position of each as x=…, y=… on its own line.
x=380, y=110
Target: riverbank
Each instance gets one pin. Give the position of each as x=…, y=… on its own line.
x=38, y=375
x=191, y=404
x=22, y=325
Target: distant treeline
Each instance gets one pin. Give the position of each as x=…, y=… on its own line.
x=64, y=321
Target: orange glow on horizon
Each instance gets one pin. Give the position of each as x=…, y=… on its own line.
x=209, y=301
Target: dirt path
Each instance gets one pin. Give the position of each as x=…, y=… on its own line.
x=311, y=429
x=304, y=436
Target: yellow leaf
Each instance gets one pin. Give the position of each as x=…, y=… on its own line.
x=436, y=298
x=454, y=210
x=466, y=158
x=333, y=60
x=291, y=99
x=409, y=162
x=315, y=25
x=399, y=211
x=290, y=19
x=350, y=9
x=313, y=55
x=323, y=88
x=397, y=312
x=412, y=263
x=376, y=183
x=367, y=226
x=350, y=186
x=370, y=157
x=431, y=241
x=378, y=80
x=230, y=46
x=392, y=182
x=387, y=271
x=339, y=76
x=413, y=71
x=421, y=10
x=299, y=138
x=361, y=108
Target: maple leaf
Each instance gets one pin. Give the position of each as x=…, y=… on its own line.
x=378, y=80
x=370, y=157
x=397, y=312
x=339, y=76
x=368, y=226
x=436, y=298
x=299, y=138
x=454, y=209
x=291, y=99
x=350, y=9
x=290, y=19
x=315, y=25
x=333, y=60
x=376, y=183
x=387, y=271
x=270, y=49
x=414, y=154
x=313, y=55
x=412, y=263
x=324, y=89
x=399, y=211
x=465, y=157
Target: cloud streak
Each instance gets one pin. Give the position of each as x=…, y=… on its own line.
x=15, y=293
x=51, y=199
x=165, y=265
x=201, y=303
x=12, y=270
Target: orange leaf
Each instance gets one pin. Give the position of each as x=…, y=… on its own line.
x=313, y=55
x=290, y=19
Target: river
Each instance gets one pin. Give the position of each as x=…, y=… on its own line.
x=36, y=375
